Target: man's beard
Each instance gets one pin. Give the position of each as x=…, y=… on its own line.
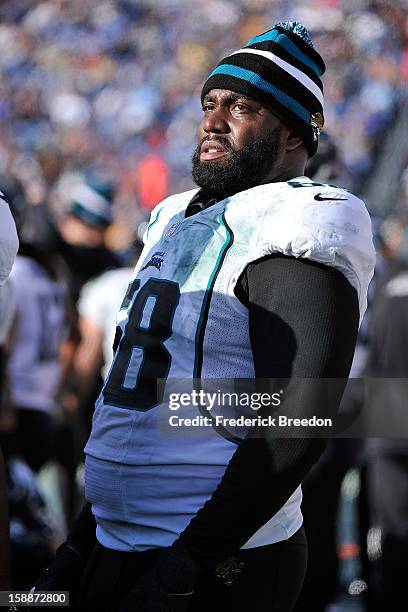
x=241, y=169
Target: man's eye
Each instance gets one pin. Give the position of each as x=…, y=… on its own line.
x=207, y=107
x=240, y=107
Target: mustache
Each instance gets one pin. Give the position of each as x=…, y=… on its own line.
x=223, y=141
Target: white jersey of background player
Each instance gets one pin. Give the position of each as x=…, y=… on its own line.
x=8, y=251
x=98, y=305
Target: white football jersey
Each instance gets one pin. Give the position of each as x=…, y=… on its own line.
x=34, y=366
x=8, y=241
x=100, y=300
x=181, y=320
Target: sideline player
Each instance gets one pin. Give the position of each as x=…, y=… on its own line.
x=258, y=273
x=8, y=251
x=98, y=304
x=35, y=366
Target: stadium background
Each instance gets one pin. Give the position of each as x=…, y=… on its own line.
x=110, y=88
x=113, y=86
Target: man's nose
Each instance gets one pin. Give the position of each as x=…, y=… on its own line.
x=215, y=122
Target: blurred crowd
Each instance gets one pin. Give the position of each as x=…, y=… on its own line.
x=111, y=87
x=99, y=104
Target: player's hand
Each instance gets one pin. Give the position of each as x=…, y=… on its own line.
x=148, y=595
x=64, y=573
x=169, y=587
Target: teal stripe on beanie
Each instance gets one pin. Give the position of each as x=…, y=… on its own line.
x=289, y=46
x=257, y=81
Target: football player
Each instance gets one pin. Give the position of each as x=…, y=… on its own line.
x=257, y=273
x=8, y=251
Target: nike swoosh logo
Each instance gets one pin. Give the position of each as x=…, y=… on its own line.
x=321, y=198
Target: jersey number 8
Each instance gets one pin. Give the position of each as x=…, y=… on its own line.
x=141, y=357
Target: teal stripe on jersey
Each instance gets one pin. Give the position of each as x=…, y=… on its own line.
x=289, y=46
x=254, y=79
x=152, y=223
x=199, y=337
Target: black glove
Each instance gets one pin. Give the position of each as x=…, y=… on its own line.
x=169, y=587
x=65, y=573
x=148, y=595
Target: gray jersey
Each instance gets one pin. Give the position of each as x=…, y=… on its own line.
x=35, y=368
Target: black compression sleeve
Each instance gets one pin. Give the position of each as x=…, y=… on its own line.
x=303, y=320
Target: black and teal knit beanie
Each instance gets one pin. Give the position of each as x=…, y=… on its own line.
x=281, y=69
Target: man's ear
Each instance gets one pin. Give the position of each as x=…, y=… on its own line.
x=294, y=141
